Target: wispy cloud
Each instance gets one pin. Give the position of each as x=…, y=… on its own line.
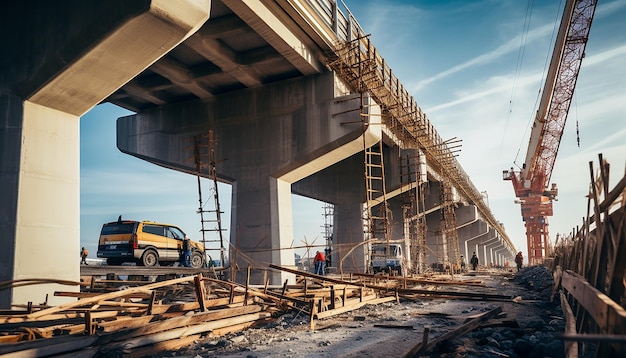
x=508, y=47
x=511, y=46
x=505, y=85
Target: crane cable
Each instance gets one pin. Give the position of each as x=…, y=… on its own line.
x=518, y=63
x=543, y=75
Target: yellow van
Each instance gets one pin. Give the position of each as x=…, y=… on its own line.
x=145, y=242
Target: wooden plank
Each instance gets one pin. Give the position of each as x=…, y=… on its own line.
x=200, y=292
x=185, y=331
x=588, y=337
x=475, y=295
x=461, y=330
x=82, y=295
x=49, y=319
x=11, y=338
x=367, y=300
x=107, y=296
x=218, y=332
x=124, y=323
x=608, y=315
x=396, y=279
x=176, y=307
x=571, y=348
x=159, y=347
x=61, y=344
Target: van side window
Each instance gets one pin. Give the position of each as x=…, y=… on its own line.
x=175, y=233
x=153, y=229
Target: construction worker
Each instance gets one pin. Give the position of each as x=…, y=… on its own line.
x=320, y=263
x=474, y=261
x=186, y=254
x=83, y=256
x=519, y=259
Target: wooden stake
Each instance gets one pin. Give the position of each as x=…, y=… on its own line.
x=200, y=292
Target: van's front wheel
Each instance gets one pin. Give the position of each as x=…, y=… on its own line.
x=196, y=260
x=150, y=258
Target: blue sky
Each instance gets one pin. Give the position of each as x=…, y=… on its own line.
x=461, y=62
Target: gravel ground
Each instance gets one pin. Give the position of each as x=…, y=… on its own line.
x=528, y=327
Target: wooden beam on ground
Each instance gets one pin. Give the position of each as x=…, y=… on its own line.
x=458, y=332
x=571, y=348
x=164, y=335
x=368, y=300
x=474, y=295
x=607, y=338
x=423, y=281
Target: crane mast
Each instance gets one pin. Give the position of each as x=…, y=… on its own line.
x=531, y=182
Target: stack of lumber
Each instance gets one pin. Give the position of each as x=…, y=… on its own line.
x=140, y=320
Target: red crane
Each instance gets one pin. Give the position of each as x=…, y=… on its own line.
x=531, y=182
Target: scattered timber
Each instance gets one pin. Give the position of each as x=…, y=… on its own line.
x=139, y=317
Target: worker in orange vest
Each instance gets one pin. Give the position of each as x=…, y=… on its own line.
x=320, y=263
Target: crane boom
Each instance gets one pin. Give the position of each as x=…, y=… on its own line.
x=531, y=182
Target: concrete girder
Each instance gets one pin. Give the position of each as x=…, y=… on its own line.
x=500, y=258
x=475, y=231
x=488, y=248
x=55, y=77
x=480, y=247
x=269, y=26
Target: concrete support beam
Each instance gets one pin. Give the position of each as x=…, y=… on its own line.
x=256, y=14
x=469, y=235
x=500, y=256
x=489, y=247
x=481, y=251
x=55, y=77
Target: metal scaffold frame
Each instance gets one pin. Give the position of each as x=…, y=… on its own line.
x=414, y=220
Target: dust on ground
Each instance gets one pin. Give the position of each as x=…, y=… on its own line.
x=529, y=327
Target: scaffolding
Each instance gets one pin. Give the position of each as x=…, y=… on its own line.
x=414, y=220
x=447, y=224
x=361, y=67
x=204, y=159
x=329, y=215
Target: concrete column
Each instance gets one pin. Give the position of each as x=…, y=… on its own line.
x=47, y=224
x=45, y=91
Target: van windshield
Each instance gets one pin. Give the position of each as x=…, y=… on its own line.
x=118, y=228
